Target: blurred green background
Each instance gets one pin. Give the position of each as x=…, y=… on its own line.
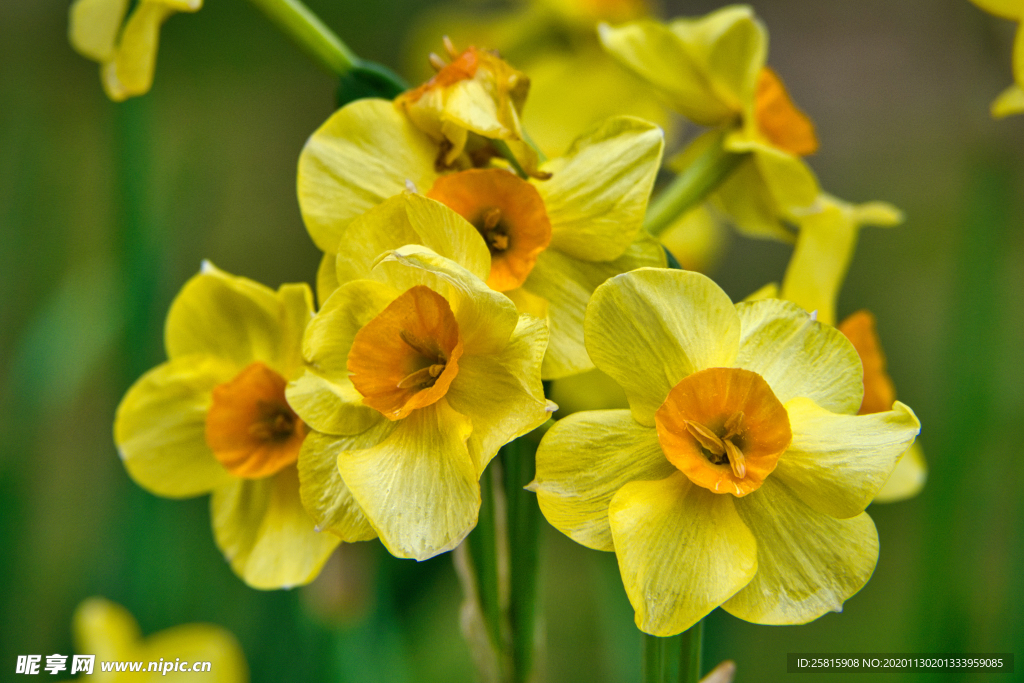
x=204, y=167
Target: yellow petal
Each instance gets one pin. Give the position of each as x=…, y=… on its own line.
x=131, y=71
x=566, y=284
x=110, y=632
x=410, y=219
x=790, y=182
x=907, y=479
x=1010, y=101
x=838, y=463
x=798, y=356
x=731, y=44
x=597, y=194
x=584, y=77
x=697, y=238
x=160, y=427
x=239, y=321
x=324, y=493
x=486, y=318
x=1018, y=52
x=748, y=202
x=823, y=251
x=650, y=328
x=418, y=487
x=818, y=265
x=654, y=53
x=195, y=643
x=502, y=394
x=266, y=534
x=583, y=460
x=682, y=551
x=1008, y=9
x=359, y=157
x=104, y=628
x=591, y=390
x=93, y=26
x=808, y=563
x=326, y=277
x=324, y=396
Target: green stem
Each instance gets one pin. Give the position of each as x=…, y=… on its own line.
x=309, y=33
x=676, y=659
x=524, y=552
x=690, y=644
x=691, y=186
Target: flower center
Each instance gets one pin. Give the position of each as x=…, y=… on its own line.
x=509, y=214
x=250, y=427
x=724, y=429
x=778, y=118
x=406, y=357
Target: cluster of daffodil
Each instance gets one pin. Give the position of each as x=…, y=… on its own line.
x=462, y=268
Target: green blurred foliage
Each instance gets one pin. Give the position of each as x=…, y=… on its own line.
x=105, y=210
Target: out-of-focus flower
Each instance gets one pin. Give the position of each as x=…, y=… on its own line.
x=125, y=49
x=551, y=242
x=213, y=419
x=1011, y=100
x=712, y=70
x=417, y=373
x=477, y=93
x=740, y=474
x=574, y=84
x=108, y=631
x=813, y=278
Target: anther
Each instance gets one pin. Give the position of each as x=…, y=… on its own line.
x=705, y=437
x=736, y=459
x=734, y=425
x=436, y=61
x=422, y=378
x=449, y=47
x=491, y=218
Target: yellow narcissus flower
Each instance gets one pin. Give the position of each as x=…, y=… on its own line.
x=108, y=631
x=1011, y=100
x=813, y=278
x=478, y=92
x=417, y=373
x=126, y=50
x=712, y=70
x=551, y=242
x=214, y=419
x=740, y=474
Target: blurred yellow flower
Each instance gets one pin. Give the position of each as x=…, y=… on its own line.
x=712, y=70
x=825, y=245
x=108, y=631
x=1011, y=100
x=740, y=473
x=213, y=419
x=551, y=242
x=126, y=50
x=417, y=373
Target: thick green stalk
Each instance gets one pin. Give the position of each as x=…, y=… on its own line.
x=309, y=33
x=691, y=186
x=676, y=659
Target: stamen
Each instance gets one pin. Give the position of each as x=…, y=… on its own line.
x=707, y=438
x=436, y=61
x=491, y=218
x=449, y=47
x=734, y=425
x=423, y=377
x=420, y=346
x=736, y=460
